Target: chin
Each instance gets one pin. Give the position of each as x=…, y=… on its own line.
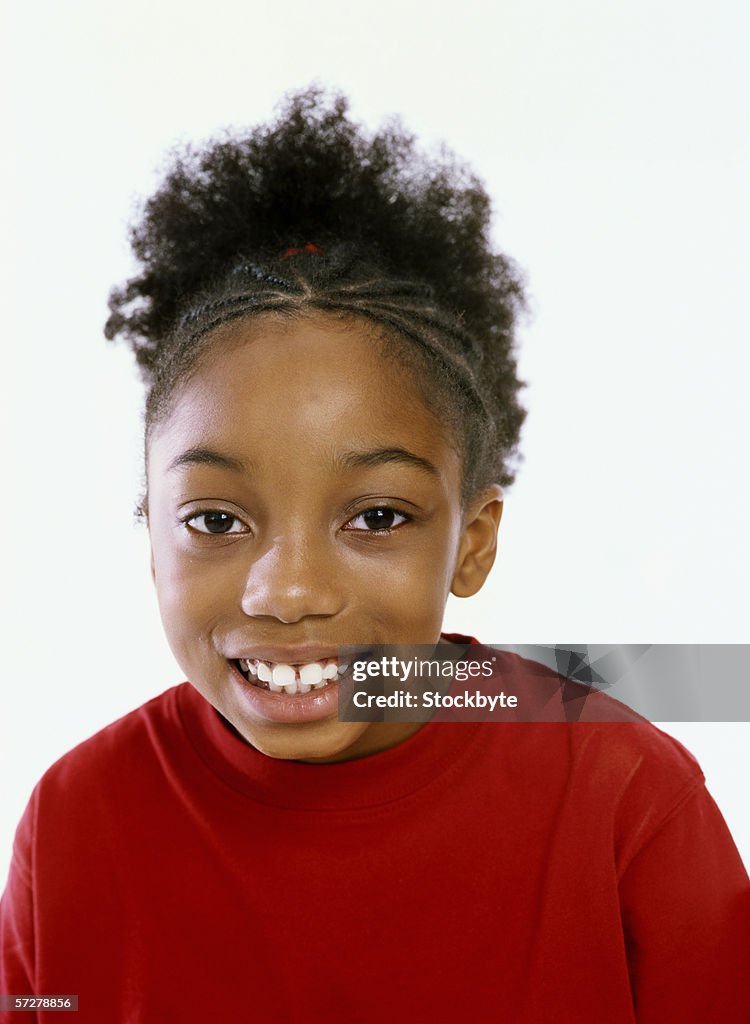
x=298, y=743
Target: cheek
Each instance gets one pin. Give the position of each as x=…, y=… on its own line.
x=191, y=591
x=410, y=590
x=410, y=585
x=193, y=598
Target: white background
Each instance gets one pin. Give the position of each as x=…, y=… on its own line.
x=613, y=138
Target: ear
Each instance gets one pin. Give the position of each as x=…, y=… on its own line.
x=152, y=561
x=142, y=512
x=478, y=545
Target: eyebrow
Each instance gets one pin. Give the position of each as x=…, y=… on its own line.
x=207, y=457
x=347, y=461
x=383, y=456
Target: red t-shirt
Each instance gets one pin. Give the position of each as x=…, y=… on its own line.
x=166, y=871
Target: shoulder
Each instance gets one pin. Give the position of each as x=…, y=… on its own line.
x=129, y=745
x=608, y=767
x=111, y=773
x=600, y=732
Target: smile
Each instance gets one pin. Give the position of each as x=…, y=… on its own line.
x=279, y=677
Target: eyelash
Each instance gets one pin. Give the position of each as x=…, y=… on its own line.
x=188, y=520
x=386, y=531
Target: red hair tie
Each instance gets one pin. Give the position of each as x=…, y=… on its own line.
x=293, y=251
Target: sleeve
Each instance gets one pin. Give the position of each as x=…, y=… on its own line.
x=17, y=969
x=685, y=899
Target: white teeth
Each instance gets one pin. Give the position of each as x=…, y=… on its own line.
x=284, y=675
x=312, y=674
x=291, y=679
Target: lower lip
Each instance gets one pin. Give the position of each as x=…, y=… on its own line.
x=283, y=707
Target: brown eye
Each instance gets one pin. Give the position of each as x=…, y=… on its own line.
x=378, y=519
x=216, y=522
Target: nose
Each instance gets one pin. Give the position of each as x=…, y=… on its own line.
x=290, y=581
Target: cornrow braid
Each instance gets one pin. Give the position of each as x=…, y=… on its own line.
x=406, y=310
x=307, y=215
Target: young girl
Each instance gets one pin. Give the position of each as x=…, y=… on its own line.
x=326, y=337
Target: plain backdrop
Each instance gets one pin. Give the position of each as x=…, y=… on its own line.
x=613, y=139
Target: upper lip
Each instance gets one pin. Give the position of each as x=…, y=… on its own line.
x=301, y=655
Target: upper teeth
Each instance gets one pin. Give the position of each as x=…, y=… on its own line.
x=292, y=679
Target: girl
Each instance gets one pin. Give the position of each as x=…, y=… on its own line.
x=326, y=338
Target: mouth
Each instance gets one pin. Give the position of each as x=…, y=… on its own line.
x=290, y=679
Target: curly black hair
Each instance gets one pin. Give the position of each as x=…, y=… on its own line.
x=310, y=214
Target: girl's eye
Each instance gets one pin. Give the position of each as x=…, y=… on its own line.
x=378, y=520
x=215, y=522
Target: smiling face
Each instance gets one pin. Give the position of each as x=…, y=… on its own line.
x=301, y=496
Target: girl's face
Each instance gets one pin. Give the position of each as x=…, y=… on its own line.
x=301, y=496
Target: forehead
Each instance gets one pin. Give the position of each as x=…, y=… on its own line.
x=301, y=390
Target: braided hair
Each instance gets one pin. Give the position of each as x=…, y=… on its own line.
x=309, y=215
